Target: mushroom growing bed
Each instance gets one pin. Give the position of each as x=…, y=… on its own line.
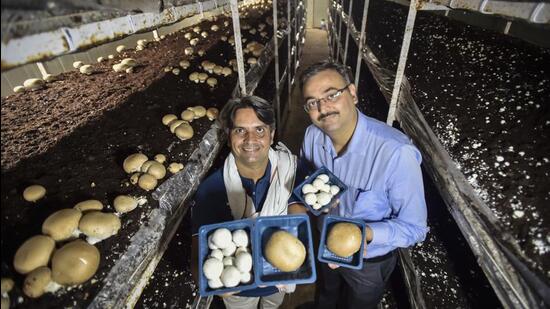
x=72, y=137
x=485, y=95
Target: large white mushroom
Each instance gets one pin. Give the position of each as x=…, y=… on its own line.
x=222, y=238
x=230, y=249
x=240, y=238
x=62, y=224
x=243, y=262
x=212, y=268
x=230, y=276
x=75, y=263
x=34, y=84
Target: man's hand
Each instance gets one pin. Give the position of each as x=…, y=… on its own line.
x=297, y=208
x=333, y=266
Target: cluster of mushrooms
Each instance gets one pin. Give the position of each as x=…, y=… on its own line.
x=146, y=173
x=320, y=192
x=58, y=257
x=229, y=262
x=182, y=127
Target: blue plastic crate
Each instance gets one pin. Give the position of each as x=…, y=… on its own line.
x=332, y=180
x=297, y=225
x=325, y=255
x=204, y=232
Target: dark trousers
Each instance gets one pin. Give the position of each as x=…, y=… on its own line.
x=354, y=288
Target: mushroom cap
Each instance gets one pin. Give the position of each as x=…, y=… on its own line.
x=310, y=198
x=188, y=115
x=222, y=238
x=194, y=41
x=344, y=239
x=62, y=224
x=285, y=251
x=323, y=177
x=194, y=76
x=18, y=89
x=246, y=277
x=323, y=198
x=134, y=178
x=99, y=225
x=230, y=276
x=196, y=29
x=145, y=166
x=308, y=188
x=217, y=253
x=218, y=69
x=212, y=268
x=36, y=282
x=243, y=262
x=119, y=67
x=184, y=131
x=227, y=71
x=215, y=283
x=50, y=78
x=77, y=64
x=212, y=81
x=86, y=69
x=334, y=189
x=212, y=113
x=74, y=263
x=125, y=203
x=129, y=62
x=199, y=111
x=100, y=59
x=166, y=119
x=156, y=169
x=120, y=48
x=160, y=158
x=204, y=34
x=230, y=249
x=188, y=50
x=134, y=162
x=33, y=83
x=147, y=182
x=184, y=64
x=203, y=77
x=176, y=71
x=228, y=261
x=240, y=238
x=214, y=28
x=89, y=205
x=34, y=193
x=176, y=123
x=175, y=167
x=33, y=253
x=7, y=285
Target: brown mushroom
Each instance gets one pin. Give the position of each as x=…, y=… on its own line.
x=156, y=169
x=168, y=118
x=212, y=113
x=89, y=205
x=99, y=226
x=187, y=115
x=7, y=285
x=33, y=253
x=160, y=158
x=175, y=167
x=62, y=224
x=38, y=282
x=75, y=263
x=147, y=182
x=184, y=131
x=125, y=203
x=34, y=193
x=134, y=178
x=133, y=162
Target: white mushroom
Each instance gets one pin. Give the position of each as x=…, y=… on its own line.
x=99, y=226
x=310, y=198
x=215, y=283
x=194, y=77
x=214, y=28
x=317, y=206
x=130, y=62
x=212, y=82
x=243, y=262
x=7, y=285
x=318, y=184
x=217, y=253
x=212, y=268
x=228, y=261
x=240, y=238
x=88, y=205
x=188, y=35
x=111, y=56
x=323, y=198
x=334, y=189
x=33, y=253
x=230, y=249
x=204, y=34
x=18, y=89
x=211, y=245
x=230, y=277
x=125, y=203
x=241, y=249
x=197, y=29
x=62, y=224
x=188, y=115
x=77, y=64
x=48, y=78
x=176, y=71
x=246, y=277
x=120, y=48
x=194, y=42
x=308, y=188
x=34, y=193
x=189, y=51
x=134, y=178
x=86, y=69
x=120, y=67
x=251, y=61
x=75, y=263
x=325, y=188
x=201, y=52
x=323, y=177
x=33, y=84
x=222, y=238
x=184, y=64
x=226, y=71
x=203, y=77
x=100, y=59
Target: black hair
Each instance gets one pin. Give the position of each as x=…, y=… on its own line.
x=324, y=65
x=263, y=109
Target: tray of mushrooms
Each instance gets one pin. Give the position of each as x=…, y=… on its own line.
x=320, y=190
x=342, y=242
x=225, y=257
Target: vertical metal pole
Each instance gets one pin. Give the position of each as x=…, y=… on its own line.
x=361, y=43
x=507, y=27
x=238, y=45
x=276, y=57
x=347, y=33
x=409, y=27
x=338, y=40
x=289, y=58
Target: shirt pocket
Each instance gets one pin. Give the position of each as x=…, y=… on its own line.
x=371, y=205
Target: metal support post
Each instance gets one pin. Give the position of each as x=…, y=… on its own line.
x=347, y=33
x=409, y=27
x=276, y=57
x=362, y=39
x=238, y=45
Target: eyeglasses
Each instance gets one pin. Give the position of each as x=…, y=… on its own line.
x=331, y=97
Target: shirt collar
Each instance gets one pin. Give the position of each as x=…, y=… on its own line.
x=248, y=183
x=356, y=145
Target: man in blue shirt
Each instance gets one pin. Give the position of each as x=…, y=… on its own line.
x=255, y=180
x=381, y=168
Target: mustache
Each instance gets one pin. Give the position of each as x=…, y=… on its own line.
x=322, y=116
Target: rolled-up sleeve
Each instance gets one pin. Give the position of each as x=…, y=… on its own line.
x=405, y=190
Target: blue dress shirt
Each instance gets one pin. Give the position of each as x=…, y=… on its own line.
x=381, y=168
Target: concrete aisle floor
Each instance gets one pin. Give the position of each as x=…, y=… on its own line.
x=295, y=124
